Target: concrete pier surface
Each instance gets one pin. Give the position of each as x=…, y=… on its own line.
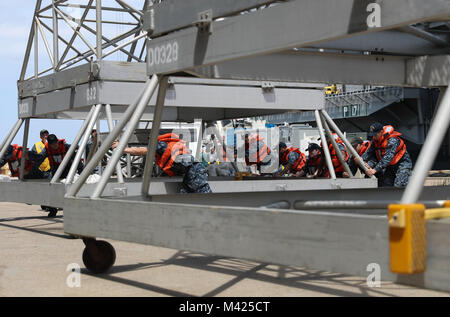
x=37, y=257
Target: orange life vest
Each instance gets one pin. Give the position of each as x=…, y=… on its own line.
x=338, y=167
x=299, y=164
x=317, y=163
x=381, y=144
x=262, y=152
x=55, y=157
x=14, y=162
x=364, y=147
x=175, y=147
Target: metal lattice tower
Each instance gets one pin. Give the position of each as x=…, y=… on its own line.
x=75, y=32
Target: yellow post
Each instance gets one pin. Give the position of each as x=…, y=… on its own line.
x=407, y=238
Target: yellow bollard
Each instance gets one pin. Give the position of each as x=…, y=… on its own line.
x=407, y=238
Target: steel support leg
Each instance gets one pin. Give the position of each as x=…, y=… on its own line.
x=132, y=124
x=325, y=148
x=10, y=137
x=148, y=87
x=111, y=127
x=429, y=151
x=347, y=143
x=24, y=148
x=97, y=145
x=82, y=147
x=336, y=149
x=153, y=139
x=129, y=165
x=198, y=138
x=72, y=148
x=98, y=15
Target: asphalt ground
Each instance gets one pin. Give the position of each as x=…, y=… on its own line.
x=37, y=258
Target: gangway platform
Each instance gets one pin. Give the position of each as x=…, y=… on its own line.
x=260, y=41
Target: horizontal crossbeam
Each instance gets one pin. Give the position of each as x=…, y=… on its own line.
x=290, y=25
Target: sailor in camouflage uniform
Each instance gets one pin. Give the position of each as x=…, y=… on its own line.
x=174, y=159
x=387, y=156
x=195, y=178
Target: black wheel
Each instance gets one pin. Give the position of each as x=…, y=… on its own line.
x=99, y=256
x=52, y=212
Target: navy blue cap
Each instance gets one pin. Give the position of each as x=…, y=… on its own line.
x=313, y=146
x=375, y=128
x=52, y=139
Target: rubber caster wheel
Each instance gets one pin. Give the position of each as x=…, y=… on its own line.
x=52, y=212
x=99, y=256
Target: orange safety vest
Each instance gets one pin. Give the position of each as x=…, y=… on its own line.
x=381, y=144
x=175, y=147
x=55, y=157
x=262, y=153
x=299, y=164
x=338, y=167
x=316, y=162
x=364, y=147
x=14, y=161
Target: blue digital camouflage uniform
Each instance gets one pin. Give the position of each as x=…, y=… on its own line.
x=195, y=180
x=396, y=175
x=195, y=176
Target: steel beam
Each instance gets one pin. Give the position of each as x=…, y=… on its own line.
x=153, y=139
x=275, y=29
x=26, y=131
x=428, y=71
x=10, y=136
x=33, y=192
x=105, y=146
x=226, y=192
x=420, y=33
x=98, y=17
x=131, y=119
x=72, y=148
x=31, y=36
x=310, y=67
x=429, y=151
x=173, y=185
x=84, y=140
x=109, y=120
x=109, y=140
x=172, y=15
x=350, y=148
x=194, y=98
x=325, y=148
x=337, y=150
x=315, y=240
x=384, y=42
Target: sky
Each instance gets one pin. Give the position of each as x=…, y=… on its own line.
x=15, y=22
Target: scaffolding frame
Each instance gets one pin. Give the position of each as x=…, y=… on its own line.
x=206, y=44
x=344, y=38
